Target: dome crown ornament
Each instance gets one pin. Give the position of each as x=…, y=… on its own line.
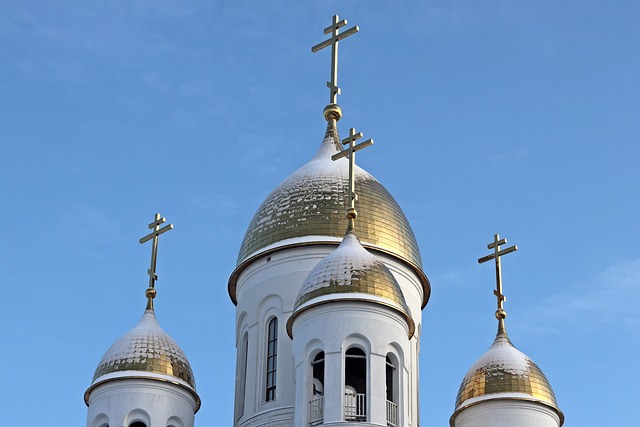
x=332, y=41
x=157, y=231
x=350, y=153
x=497, y=253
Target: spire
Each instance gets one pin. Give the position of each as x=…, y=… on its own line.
x=332, y=41
x=157, y=231
x=333, y=113
x=350, y=152
x=497, y=253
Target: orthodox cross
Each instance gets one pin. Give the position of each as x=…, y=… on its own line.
x=157, y=231
x=333, y=42
x=497, y=253
x=350, y=152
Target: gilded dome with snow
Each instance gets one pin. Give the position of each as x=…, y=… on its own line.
x=504, y=372
x=308, y=207
x=351, y=273
x=146, y=351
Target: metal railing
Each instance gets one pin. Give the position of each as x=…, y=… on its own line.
x=392, y=414
x=355, y=407
x=316, y=410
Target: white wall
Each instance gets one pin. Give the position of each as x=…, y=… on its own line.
x=269, y=287
x=507, y=413
x=120, y=402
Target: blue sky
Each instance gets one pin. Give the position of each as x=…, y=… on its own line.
x=516, y=117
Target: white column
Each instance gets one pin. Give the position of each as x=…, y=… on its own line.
x=377, y=397
x=333, y=386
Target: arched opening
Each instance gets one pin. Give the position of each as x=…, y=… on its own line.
x=355, y=385
x=316, y=403
x=272, y=359
x=392, y=389
x=174, y=422
x=317, y=367
x=101, y=420
x=137, y=418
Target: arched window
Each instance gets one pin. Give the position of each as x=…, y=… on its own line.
x=355, y=385
x=392, y=386
x=317, y=367
x=392, y=379
x=316, y=403
x=137, y=424
x=241, y=380
x=272, y=359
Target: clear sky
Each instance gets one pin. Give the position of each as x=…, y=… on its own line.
x=515, y=117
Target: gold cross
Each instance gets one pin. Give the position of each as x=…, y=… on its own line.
x=350, y=152
x=333, y=42
x=157, y=231
x=497, y=253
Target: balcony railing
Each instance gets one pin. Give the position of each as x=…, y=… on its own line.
x=316, y=410
x=392, y=414
x=355, y=407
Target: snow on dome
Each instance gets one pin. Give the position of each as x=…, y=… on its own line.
x=351, y=272
x=310, y=204
x=504, y=372
x=145, y=351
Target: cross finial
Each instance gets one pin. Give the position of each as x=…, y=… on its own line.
x=157, y=231
x=497, y=253
x=333, y=42
x=350, y=152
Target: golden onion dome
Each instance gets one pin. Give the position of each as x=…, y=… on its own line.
x=308, y=208
x=505, y=373
x=350, y=273
x=146, y=351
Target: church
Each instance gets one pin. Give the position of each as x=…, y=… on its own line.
x=329, y=289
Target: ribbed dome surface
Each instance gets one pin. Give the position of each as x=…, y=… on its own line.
x=505, y=372
x=146, y=348
x=351, y=273
x=310, y=205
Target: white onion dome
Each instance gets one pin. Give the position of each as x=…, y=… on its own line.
x=350, y=273
x=308, y=208
x=504, y=373
x=146, y=351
